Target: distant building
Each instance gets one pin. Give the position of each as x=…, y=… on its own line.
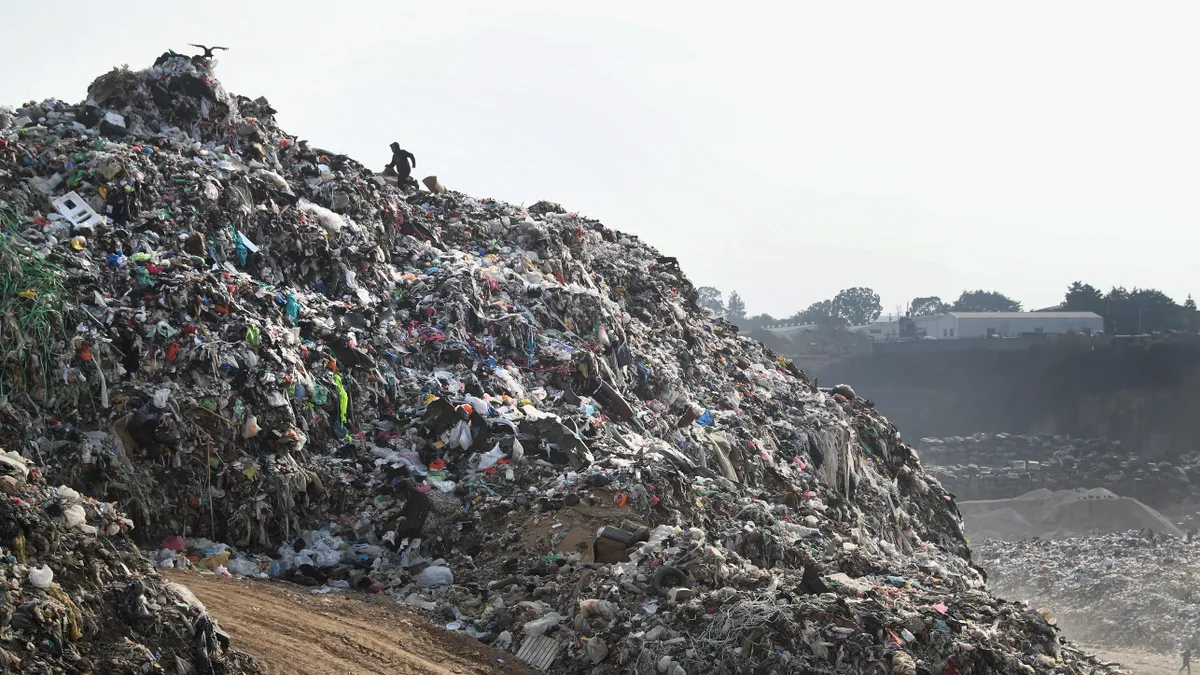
x=882, y=329
x=967, y=325
x=791, y=330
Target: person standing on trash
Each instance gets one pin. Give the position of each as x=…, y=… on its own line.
x=1187, y=659
x=417, y=506
x=400, y=163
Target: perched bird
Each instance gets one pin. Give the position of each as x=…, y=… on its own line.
x=208, y=51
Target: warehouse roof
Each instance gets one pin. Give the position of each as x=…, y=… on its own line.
x=1025, y=315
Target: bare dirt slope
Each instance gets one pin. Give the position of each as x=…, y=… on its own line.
x=289, y=631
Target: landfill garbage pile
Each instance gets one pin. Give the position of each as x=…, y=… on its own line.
x=79, y=597
x=1131, y=589
x=514, y=419
x=1002, y=466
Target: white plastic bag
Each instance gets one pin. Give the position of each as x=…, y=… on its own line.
x=538, y=627
x=435, y=576
x=324, y=555
x=242, y=567
x=75, y=516
x=41, y=577
x=160, y=398
x=68, y=496
x=460, y=436
x=332, y=222
x=489, y=459
x=477, y=404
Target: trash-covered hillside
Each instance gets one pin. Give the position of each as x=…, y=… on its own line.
x=1002, y=466
x=1134, y=589
x=515, y=419
x=80, y=598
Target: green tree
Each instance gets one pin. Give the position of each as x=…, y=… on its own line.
x=758, y=321
x=711, y=299
x=1083, y=297
x=1151, y=296
x=819, y=313
x=985, y=301
x=930, y=306
x=1141, y=310
x=857, y=306
x=1189, y=304
x=736, y=312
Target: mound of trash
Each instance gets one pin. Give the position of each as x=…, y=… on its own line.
x=515, y=419
x=1002, y=466
x=1134, y=589
x=79, y=596
x=1061, y=515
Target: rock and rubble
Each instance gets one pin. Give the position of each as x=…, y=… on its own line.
x=80, y=597
x=1002, y=466
x=1130, y=589
x=515, y=419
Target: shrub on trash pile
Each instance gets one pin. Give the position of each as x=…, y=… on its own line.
x=31, y=307
x=1133, y=588
x=79, y=597
x=461, y=392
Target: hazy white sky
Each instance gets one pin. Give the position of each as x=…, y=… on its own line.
x=783, y=149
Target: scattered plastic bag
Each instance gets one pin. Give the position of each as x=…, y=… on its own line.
x=41, y=577
x=460, y=436
x=489, y=459
x=242, y=567
x=538, y=627
x=434, y=575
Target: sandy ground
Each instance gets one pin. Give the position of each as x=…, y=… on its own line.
x=289, y=631
x=1142, y=663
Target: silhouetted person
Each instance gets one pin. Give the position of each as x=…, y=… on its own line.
x=1187, y=660
x=416, y=510
x=400, y=162
x=812, y=582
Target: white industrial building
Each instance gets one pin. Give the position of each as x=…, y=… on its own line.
x=791, y=330
x=967, y=325
x=883, y=329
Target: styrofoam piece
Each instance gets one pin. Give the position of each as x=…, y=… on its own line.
x=75, y=209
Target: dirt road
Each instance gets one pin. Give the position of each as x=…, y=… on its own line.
x=289, y=631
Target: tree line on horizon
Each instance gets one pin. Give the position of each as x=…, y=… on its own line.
x=1123, y=310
